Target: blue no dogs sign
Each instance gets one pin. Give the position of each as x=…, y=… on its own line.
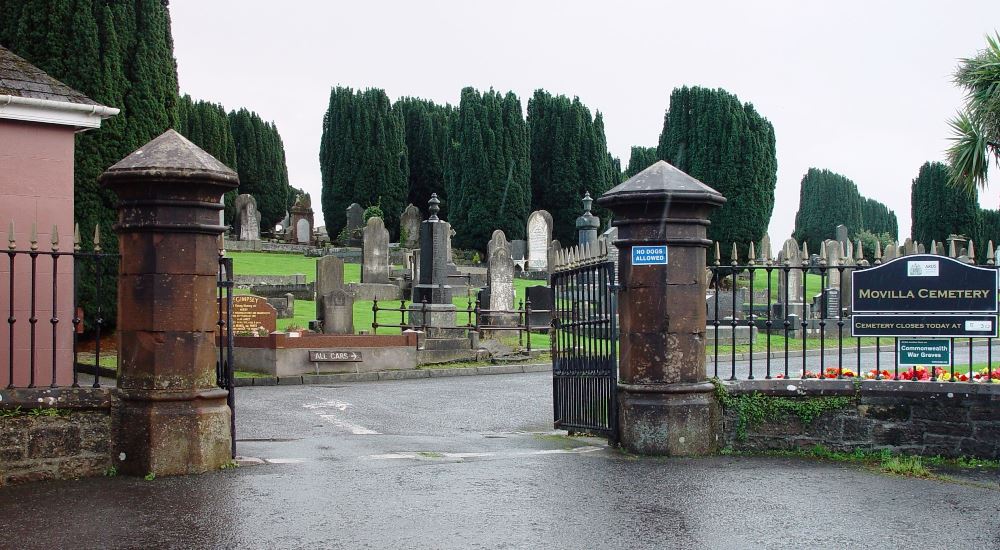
x=649, y=255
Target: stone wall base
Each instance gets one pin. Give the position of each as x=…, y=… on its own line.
x=915, y=418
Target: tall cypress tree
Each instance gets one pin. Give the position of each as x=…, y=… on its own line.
x=727, y=145
x=363, y=156
x=207, y=126
x=640, y=159
x=939, y=210
x=488, y=171
x=428, y=139
x=878, y=219
x=119, y=53
x=260, y=163
x=569, y=156
x=826, y=200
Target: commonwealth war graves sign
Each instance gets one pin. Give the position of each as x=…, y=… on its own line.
x=925, y=295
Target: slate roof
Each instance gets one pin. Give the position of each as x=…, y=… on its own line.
x=22, y=79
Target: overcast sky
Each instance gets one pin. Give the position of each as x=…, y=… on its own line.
x=858, y=87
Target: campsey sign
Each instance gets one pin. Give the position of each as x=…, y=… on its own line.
x=925, y=283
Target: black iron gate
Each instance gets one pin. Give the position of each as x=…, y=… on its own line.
x=585, y=342
x=224, y=365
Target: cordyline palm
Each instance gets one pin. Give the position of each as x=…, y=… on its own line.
x=977, y=130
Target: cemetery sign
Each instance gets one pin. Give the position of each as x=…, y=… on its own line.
x=252, y=315
x=925, y=295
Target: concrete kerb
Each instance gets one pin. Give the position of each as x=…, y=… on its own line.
x=307, y=379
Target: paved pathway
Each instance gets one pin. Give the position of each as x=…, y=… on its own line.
x=471, y=462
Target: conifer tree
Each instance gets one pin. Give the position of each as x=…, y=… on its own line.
x=727, y=145
x=939, y=210
x=640, y=159
x=428, y=139
x=363, y=157
x=260, y=163
x=826, y=200
x=569, y=157
x=207, y=126
x=488, y=170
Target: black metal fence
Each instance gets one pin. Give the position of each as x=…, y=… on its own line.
x=44, y=287
x=777, y=320
x=585, y=346
x=524, y=320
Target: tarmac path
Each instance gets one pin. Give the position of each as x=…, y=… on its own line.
x=472, y=462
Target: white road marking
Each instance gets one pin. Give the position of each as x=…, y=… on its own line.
x=343, y=424
x=323, y=409
x=430, y=455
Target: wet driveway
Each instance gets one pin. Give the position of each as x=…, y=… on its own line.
x=471, y=462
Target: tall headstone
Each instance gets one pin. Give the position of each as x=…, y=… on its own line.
x=329, y=276
x=301, y=212
x=844, y=239
x=539, y=239
x=409, y=227
x=587, y=224
x=246, y=223
x=501, y=273
x=432, y=299
x=834, y=257
x=338, y=312
x=375, y=252
x=790, y=255
x=909, y=247
x=355, y=222
x=765, y=247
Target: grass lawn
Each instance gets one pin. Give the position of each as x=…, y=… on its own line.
x=265, y=263
x=813, y=283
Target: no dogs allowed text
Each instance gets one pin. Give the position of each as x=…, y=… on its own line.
x=649, y=255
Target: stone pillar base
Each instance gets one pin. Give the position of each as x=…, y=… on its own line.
x=669, y=419
x=164, y=433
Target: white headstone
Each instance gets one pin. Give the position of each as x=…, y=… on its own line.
x=539, y=239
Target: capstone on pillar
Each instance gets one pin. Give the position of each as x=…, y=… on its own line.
x=667, y=406
x=173, y=418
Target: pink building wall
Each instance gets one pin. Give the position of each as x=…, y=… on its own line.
x=36, y=187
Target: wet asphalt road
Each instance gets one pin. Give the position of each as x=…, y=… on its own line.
x=471, y=462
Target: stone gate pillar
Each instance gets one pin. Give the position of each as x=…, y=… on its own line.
x=173, y=418
x=666, y=404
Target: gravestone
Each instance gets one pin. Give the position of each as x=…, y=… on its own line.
x=730, y=304
x=409, y=227
x=587, y=224
x=791, y=255
x=834, y=257
x=284, y=305
x=329, y=276
x=375, y=252
x=247, y=218
x=338, y=312
x=765, y=247
x=302, y=231
x=252, y=316
x=909, y=247
x=432, y=298
x=519, y=252
x=539, y=231
x=302, y=219
x=501, y=273
x=843, y=238
x=542, y=302
x=355, y=221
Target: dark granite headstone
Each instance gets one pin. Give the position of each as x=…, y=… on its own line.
x=355, y=222
x=542, y=303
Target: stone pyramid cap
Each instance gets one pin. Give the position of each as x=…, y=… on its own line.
x=661, y=181
x=171, y=156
